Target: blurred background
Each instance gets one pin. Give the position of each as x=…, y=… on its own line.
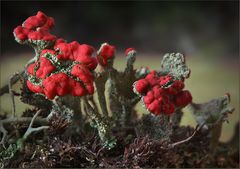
x=206, y=32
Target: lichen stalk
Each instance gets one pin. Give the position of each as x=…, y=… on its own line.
x=102, y=124
x=100, y=81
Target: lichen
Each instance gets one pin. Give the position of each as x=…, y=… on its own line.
x=70, y=127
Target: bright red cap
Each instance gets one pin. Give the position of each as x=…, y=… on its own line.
x=105, y=53
x=141, y=86
x=183, y=98
x=33, y=88
x=65, y=69
x=162, y=94
x=176, y=87
x=76, y=52
x=35, y=28
x=129, y=50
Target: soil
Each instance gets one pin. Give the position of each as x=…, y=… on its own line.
x=63, y=148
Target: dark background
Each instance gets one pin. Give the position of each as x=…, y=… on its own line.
x=151, y=27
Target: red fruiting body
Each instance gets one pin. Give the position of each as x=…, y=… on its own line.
x=77, y=88
x=148, y=98
x=158, y=91
x=155, y=107
x=30, y=68
x=84, y=75
x=152, y=78
x=35, y=28
x=141, y=86
x=176, y=87
x=21, y=33
x=60, y=84
x=105, y=54
x=84, y=55
x=76, y=52
x=43, y=66
x=162, y=94
x=56, y=84
x=129, y=50
x=164, y=80
x=33, y=88
x=168, y=108
x=183, y=98
x=41, y=35
x=63, y=68
x=37, y=21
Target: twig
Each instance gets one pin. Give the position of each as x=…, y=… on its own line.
x=30, y=130
x=4, y=131
x=198, y=128
x=99, y=151
x=13, y=120
x=15, y=78
x=12, y=97
x=11, y=92
x=23, y=120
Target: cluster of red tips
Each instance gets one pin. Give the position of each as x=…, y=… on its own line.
x=60, y=85
x=43, y=67
x=62, y=68
x=162, y=94
x=56, y=81
x=76, y=52
x=35, y=28
x=105, y=54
